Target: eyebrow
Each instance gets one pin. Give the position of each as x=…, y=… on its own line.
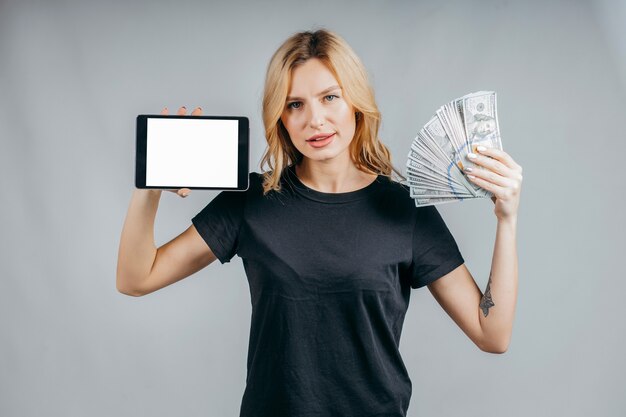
x=334, y=87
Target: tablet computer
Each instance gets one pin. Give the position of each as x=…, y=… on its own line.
x=195, y=152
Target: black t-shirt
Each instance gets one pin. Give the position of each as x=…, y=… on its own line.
x=330, y=277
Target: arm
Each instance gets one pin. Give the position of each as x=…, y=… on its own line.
x=488, y=318
x=137, y=250
x=141, y=267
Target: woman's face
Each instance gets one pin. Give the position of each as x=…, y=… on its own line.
x=315, y=106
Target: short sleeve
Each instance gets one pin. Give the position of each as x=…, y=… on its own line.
x=435, y=252
x=219, y=223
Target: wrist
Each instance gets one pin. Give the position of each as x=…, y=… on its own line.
x=510, y=221
x=150, y=193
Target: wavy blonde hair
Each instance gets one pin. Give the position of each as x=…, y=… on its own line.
x=367, y=152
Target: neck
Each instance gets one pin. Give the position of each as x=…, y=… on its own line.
x=332, y=176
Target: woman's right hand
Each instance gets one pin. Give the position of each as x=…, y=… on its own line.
x=183, y=192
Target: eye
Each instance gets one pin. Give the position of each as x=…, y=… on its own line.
x=292, y=106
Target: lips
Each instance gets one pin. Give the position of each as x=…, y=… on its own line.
x=321, y=136
x=322, y=142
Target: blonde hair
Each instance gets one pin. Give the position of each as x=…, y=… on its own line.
x=367, y=152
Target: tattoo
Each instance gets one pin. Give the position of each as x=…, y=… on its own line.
x=486, y=303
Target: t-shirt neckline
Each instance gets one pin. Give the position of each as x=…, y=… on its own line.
x=315, y=195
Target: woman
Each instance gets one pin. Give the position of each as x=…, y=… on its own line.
x=331, y=246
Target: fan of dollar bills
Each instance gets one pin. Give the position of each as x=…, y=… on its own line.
x=438, y=154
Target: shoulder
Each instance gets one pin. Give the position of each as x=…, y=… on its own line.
x=255, y=191
x=391, y=185
x=255, y=179
x=393, y=191
x=397, y=195
x=255, y=182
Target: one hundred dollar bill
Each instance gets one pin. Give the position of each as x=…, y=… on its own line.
x=438, y=154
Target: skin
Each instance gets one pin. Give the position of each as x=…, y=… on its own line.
x=487, y=319
x=312, y=109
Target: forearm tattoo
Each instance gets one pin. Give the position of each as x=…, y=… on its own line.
x=486, y=303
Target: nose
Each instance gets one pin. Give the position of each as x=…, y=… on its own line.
x=316, y=116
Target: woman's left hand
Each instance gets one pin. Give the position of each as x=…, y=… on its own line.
x=501, y=175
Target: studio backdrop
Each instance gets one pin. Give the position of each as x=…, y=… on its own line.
x=75, y=74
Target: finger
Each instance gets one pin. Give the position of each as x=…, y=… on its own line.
x=183, y=192
x=489, y=176
x=182, y=111
x=514, y=170
x=164, y=111
x=498, y=154
x=496, y=190
x=490, y=163
x=197, y=111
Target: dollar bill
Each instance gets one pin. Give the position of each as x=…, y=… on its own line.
x=438, y=154
x=480, y=120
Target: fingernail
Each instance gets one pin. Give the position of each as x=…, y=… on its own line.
x=468, y=169
x=471, y=155
x=471, y=176
x=481, y=148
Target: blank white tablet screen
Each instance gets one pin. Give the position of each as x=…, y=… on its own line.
x=191, y=153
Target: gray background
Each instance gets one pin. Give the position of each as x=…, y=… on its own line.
x=73, y=76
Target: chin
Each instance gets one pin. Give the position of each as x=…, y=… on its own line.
x=324, y=155
x=319, y=157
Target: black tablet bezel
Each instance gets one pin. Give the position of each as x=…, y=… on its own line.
x=243, y=151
